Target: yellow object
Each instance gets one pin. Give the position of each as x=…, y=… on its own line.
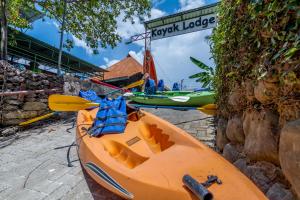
x=59, y=102
x=148, y=161
x=209, y=109
x=135, y=84
x=36, y=119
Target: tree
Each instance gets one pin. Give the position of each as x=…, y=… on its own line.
x=93, y=21
x=207, y=76
x=12, y=12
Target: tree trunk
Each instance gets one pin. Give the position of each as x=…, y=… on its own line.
x=3, y=45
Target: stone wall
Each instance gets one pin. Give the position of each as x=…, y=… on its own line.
x=22, y=107
x=258, y=92
x=19, y=108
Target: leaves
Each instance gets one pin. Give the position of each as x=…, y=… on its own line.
x=206, y=77
x=93, y=21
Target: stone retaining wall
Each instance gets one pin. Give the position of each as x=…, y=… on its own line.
x=19, y=108
x=15, y=109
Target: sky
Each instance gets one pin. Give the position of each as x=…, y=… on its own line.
x=171, y=55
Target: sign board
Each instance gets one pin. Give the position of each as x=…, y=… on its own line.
x=185, y=22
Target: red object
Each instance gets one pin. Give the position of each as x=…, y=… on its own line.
x=94, y=80
x=148, y=66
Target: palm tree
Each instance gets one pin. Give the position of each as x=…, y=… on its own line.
x=205, y=77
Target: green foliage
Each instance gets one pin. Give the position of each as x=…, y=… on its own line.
x=254, y=38
x=94, y=21
x=16, y=12
x=207, y=76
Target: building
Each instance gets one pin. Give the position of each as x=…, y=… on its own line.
x=124, y=72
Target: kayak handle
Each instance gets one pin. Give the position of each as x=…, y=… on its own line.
x=197, y=188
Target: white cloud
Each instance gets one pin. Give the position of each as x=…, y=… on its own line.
x=127, y=29
x=137, y=56
x=112, y=62
x=172, y=57
x=56, y=24
x=156, y=3
x=82, y=44
x=108, y=62
x=190, y=4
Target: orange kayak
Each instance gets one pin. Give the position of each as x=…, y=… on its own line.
x=149, y=160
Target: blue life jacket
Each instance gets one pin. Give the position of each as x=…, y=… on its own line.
x=150, y=87
x=90, y=95
x=161, y=85
x=175, y=87
x=134, y=90
x=110, y=118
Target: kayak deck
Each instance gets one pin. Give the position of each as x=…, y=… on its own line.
x=149, y=160
x=196, y=99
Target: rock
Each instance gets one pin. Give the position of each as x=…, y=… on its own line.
x=249, y=90
x=9, y=122
x=43, y=100
x=221, y=138
x=278, y=192
x=261, y=135
x=266, y=92
x=263, y=174
x=45, y=82
x=241, y=164
x=289, y=153
x=30, y=99
x=31, y=95
x=71, y=88
x=234, y=98
x=234, y=130
x=13, y=102
x=9, y=131
x=35, y=106
x=10, y=107
x=231, y=153
x=19, y=114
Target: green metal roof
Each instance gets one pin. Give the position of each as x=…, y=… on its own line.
x=35, y=50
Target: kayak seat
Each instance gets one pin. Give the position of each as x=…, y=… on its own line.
x=123, y=154
x=154, y=137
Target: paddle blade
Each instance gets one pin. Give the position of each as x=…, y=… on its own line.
x=128, y=94
x=135, y=84
x=59, y=102
x=210, y=106
x=180, y=98
x=37, y=119
x=209, y=109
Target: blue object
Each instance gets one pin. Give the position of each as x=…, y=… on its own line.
x=150, y=87
x=111, y=117
x=134, y=90
x=175, y=87
x=201, y=90
x=90, y=95
x=161, y=85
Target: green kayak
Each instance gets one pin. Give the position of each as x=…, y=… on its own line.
x=196, y=99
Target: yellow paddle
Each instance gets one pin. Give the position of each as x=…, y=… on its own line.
x=37, y=119
x=135, y=84
x=209, y=109
x=59, y=102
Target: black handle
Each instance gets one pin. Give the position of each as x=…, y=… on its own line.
x=197, y=188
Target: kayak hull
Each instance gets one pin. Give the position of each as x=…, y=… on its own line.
x=150, y=158
x=164, y=98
